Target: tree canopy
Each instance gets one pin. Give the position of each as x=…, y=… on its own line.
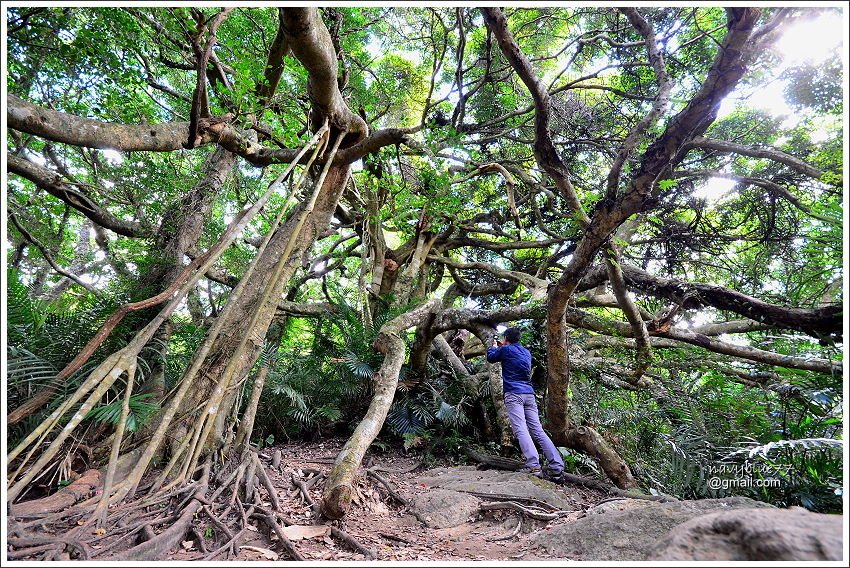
x=294, y=221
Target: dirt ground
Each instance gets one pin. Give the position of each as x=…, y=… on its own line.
x=379, y=521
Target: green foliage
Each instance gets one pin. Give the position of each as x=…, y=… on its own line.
x=141, y=410
x=805, y=472
x=320, y=378
x=713, y=437
x=42, y=341
x=816, y=86
x=433, y=417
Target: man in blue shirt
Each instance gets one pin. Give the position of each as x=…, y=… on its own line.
x=521, y=405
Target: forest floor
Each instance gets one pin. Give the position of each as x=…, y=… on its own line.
x=381, y=521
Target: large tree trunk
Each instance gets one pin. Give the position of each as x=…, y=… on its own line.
x=178, y=233
x=564, y=432
x=226, y=346
x=662, y=154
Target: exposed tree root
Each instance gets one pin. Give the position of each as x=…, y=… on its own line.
x=271, y=521
x=533, y=513
x=383, y=481
x=305, y=493
x=212, y=514
x=38, y=544
x=33, y=550
x=353, y=543
x=602, y=486
x=78, y=490
x=156, y=524
x=497, y=462
x=158, y=546
x=394, y=537
x=513, y=465
x=543, y=505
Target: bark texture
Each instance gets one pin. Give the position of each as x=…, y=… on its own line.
x=311, y=43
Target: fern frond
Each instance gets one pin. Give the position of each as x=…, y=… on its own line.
x=805, y=443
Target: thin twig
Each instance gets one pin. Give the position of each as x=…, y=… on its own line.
x=351, y=541
x=524, y=510
x=378, y=477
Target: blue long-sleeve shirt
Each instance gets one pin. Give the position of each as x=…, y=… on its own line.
x=516, y=367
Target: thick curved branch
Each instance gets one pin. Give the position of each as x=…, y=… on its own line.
x=464, y=241
x=57, y=186
x=659, y=105
x=448, y=319
x=725, y=72
x=169, y=136
x=164, y=137
x=585, y=320
x=78, y=131
x=200, y=98
x=643, y=357
x=818, y=322
x=755, y=152
x=536, y=286
x=465, y=318
x=709, y=329
x=274, y=63
x=544, y=149
x=311, y=44
x=374, y=142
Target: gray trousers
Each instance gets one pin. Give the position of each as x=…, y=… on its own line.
x=525, y=422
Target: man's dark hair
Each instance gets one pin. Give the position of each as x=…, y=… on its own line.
x=512, y=335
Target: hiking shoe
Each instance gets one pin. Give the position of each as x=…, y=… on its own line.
x=535, y=471
x=555, y=477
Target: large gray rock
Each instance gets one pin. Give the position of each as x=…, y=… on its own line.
x=628, y=529
x=754, y=534
x=467, y=479
x=440, y=508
